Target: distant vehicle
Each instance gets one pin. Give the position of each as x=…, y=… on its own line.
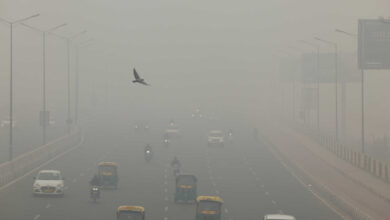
x=138, y=79
x=216, y=138
x=166, y=141
x=95, y=193
x=208, y=207
x=6, y=122
x=48, y=182
x=130, y=213
x=279, y=217
x=108, y=172
x=172, y=132
x=141, y=126
x=185, y=188
x=148, y=153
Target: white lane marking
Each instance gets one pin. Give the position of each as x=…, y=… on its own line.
x=165, y=218
x=267, y=193
x=74, y=180
x=165, y=190
x=37, y=217
x=48, y=206
x=211, y=177
x=165, y=170
x=217, y=192
x=254, y=173
x=165, y=176
x=262, y=186
x=226, y=210
x=214, y=184
x=280, y=212
x=273, y=202
x=165, y=182
x=166, y=198
x=166, y=209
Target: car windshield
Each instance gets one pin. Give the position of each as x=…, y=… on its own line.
x=216, y=134
x=49, y=176
x=130, y=216
x=208, y=206
x=185, y=180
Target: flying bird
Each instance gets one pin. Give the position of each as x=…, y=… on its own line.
x=139, y=79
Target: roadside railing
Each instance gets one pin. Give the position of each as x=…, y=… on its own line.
x=24, y=163
x=322, y=190
x=377, y=168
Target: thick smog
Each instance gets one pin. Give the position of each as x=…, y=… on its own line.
x=194, y=110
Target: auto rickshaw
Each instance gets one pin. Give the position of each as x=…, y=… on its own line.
x=130, y=213
x=208, y=208
x=108, y=172
x=185, y=188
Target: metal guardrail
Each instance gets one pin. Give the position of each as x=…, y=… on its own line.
x=24, y=163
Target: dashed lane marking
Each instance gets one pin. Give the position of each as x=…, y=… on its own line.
x=165, y=182
x=273, y=202
x=37, y=217
x=217, y=192
x=48, y=206
x=166, y=209
x=165, y=218
x=74, y=180
x=166, y=198
x=226, y=210
x=267, y=193
x=165, y=190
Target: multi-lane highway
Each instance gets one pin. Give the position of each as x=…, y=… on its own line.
x=244, y=174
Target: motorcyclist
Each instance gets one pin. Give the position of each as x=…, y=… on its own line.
x=95, y=183
x=175, y=163
x=148, y=149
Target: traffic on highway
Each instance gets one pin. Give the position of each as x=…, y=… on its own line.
x=194, y=110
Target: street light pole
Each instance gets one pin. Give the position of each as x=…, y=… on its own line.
x=317, y=47
x=336, y=83
x=362, y=94
x=44, y=116
x=11, y=23
x=84, y=43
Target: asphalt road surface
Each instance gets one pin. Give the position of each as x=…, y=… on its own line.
x=244, y=174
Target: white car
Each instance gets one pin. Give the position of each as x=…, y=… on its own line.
x=216, y=138
x=48, y=182
x=279, y=217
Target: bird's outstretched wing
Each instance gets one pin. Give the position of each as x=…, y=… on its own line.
x=136, y=76
x=144, y=83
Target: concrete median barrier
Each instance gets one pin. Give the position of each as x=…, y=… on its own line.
x=11, y=170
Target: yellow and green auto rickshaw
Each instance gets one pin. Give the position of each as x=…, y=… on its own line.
x=185, y=188
x=130, y=213
x=208, y=208
x=108, y=172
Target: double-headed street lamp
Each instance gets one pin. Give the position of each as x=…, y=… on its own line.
x=317, y=47
x=336, y=81
x=81, y=44
x=68, y=40
x=44, y=116
x=11, y=23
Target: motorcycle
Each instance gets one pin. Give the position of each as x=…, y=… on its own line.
x=166, y=142
x=95, y=193
x=148, y=155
